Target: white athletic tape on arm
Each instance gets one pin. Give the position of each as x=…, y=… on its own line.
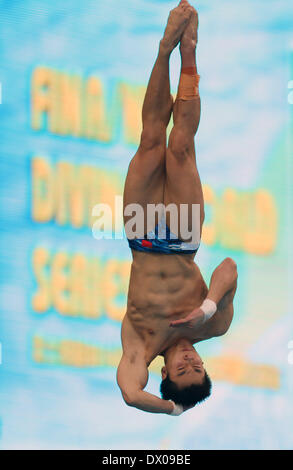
x=178, y=409
x=209, y=307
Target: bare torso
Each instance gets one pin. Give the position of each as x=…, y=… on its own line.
x=163, y=288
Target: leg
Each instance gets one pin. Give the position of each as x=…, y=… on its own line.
x=146, y=174
x=183, y=185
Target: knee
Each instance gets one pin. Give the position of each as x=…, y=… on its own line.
x=153, y=137
x=180, y=143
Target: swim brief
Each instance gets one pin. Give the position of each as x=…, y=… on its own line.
x=162, y=240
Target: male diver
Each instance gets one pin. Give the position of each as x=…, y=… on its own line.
x=170, y=307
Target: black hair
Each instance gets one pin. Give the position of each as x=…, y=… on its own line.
x=188, y=396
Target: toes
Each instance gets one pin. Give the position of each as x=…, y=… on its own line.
x=184, y=4
x=189, y=12
x=194, y=12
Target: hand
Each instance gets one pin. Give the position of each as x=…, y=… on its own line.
x=185, y=408
x=179, y=409
x=195, y=318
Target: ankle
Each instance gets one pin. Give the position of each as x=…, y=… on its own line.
x=164, y=48
x=189, y=70
x=188, y=57
x=188, y=48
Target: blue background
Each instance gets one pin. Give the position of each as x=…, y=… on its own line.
x=244, y=143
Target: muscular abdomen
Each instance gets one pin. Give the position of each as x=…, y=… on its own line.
x=163, y=286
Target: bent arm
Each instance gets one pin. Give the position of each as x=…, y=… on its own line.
x=217, y=309
x=222, y=290
x=132, y=373
x=132, y=376
x=223, y=280
x=146, y=401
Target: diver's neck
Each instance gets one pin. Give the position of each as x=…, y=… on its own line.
x=166, y=347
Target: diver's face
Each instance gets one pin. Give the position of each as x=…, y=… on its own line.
x=184, y=366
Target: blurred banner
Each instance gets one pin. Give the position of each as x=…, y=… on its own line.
x=73, y=78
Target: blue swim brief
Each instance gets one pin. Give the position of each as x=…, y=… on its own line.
x=162, y=240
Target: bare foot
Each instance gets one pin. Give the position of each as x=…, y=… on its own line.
x=189, y=36
x=177, y=23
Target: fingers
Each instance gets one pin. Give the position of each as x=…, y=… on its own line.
x=179, y=322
